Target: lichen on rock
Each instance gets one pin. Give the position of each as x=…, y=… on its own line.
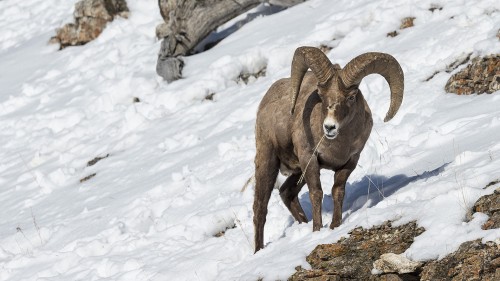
x=472, y=261
x=482, y=75
x=490, y=205
x=353, y=257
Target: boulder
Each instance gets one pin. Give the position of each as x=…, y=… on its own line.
x=392, y=263
x=473, y=261
x=490, y=205
x=482, y=75
x=91, y=17
x=353, y=257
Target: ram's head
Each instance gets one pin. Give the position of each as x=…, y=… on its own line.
x=339, y=87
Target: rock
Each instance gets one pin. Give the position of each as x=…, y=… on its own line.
x=91, y=17
x=406, y=22
x=481, y=76
x=435, y=7
x=393, y=34
x=162, y=31
x=352, y=258
x=246, y=77
x=390, y=277
x=490, y=205
x=472, y=261
x=390, y=262
x=168, y=67
x=325, y=48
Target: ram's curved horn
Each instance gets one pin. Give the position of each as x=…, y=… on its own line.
x=305, y=58
x=380, y=63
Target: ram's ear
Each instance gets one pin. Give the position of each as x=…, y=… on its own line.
x=352, y=92
x=319, y=93
x=315, y=96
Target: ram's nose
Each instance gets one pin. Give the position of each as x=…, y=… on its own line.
x=331, y=130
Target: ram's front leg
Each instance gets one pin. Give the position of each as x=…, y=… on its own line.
x=311, y=169
x=338, y=189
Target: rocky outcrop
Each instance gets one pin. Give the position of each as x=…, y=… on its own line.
x=490, y=205
x=473, y=261
x=481, y=76
x=380, y=248
x=353, y=257
x=91, y=17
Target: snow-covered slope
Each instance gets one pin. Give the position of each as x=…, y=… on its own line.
x=178, y=161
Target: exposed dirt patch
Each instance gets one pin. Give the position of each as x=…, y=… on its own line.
x=246, y=77
x=223, y=232
x=435, y=7
x=325, y=48
x=97, y=159
x=210, y=96
x=82, y=180
x=393, y=34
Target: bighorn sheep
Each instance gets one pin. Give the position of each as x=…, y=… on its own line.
x=326, y=103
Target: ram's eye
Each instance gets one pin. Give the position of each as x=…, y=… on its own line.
x=352, y=95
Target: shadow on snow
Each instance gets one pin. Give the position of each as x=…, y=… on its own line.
x=368, y=191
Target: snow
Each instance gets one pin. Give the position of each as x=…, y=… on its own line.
x=178, y=161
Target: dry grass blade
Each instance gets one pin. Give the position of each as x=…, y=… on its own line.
x=308, y=162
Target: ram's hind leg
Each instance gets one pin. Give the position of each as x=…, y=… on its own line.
x=289, y=192
x=266, y=171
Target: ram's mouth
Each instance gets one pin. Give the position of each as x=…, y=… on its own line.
x=331, y=135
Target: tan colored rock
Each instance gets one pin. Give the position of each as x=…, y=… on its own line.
x=91, y=17
x=390, y=263
x=407, y=22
